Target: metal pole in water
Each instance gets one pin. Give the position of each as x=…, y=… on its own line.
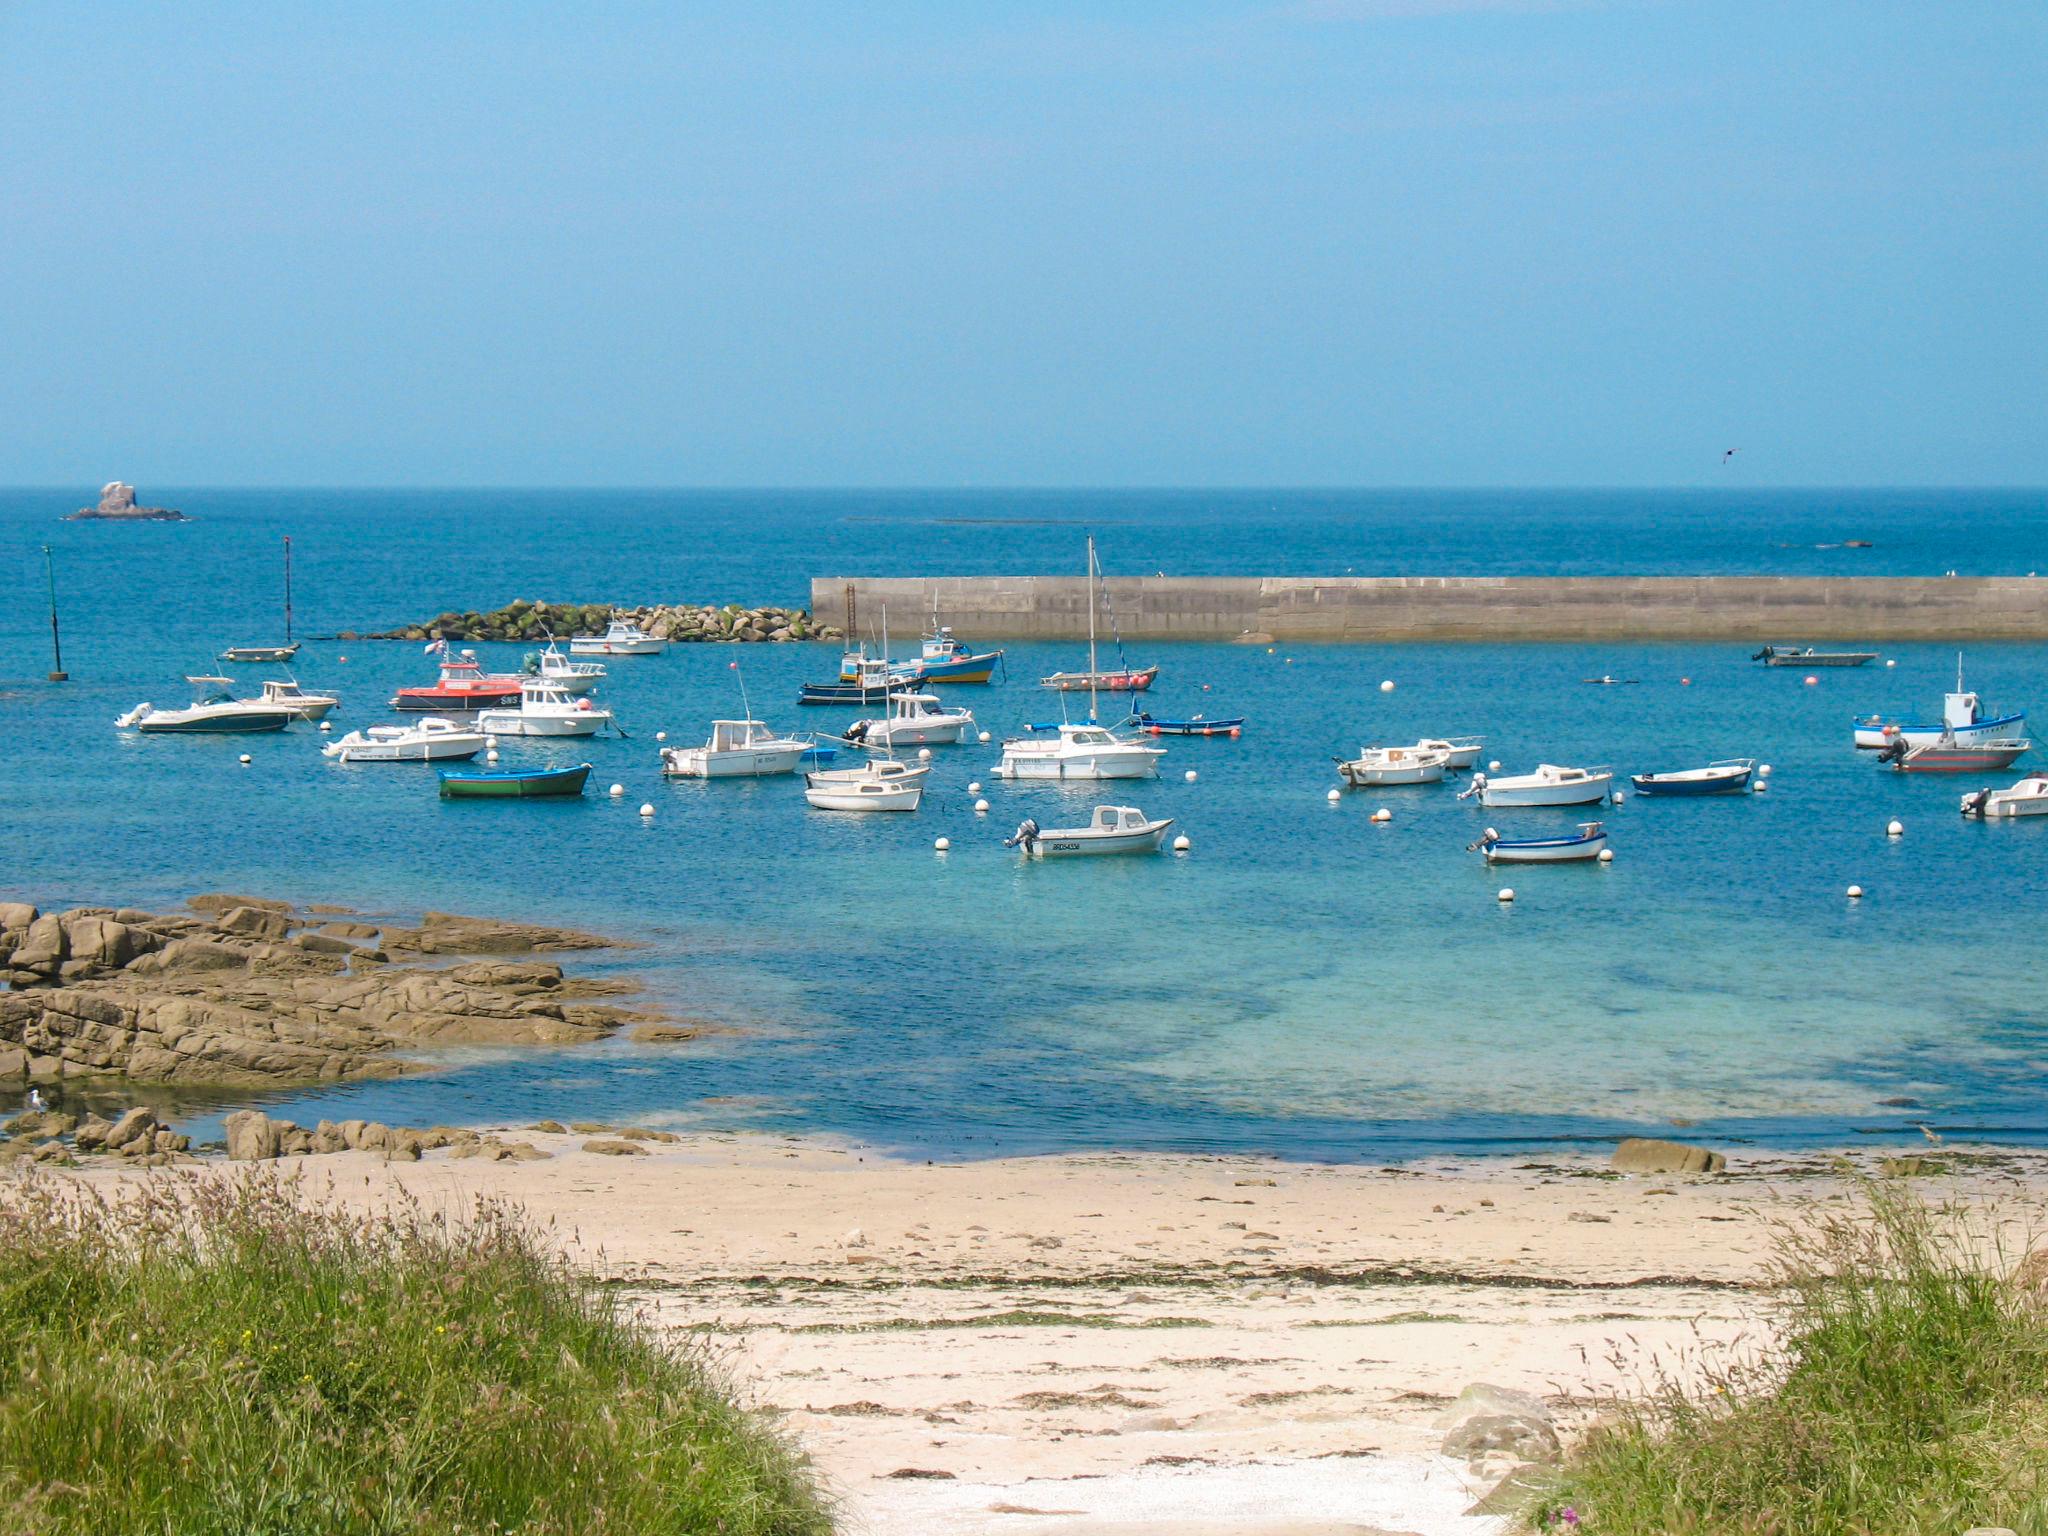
x=57, y=672
x=287, y=589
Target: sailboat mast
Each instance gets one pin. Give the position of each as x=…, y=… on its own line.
x=287, y=589
x=57, y=672
x=1092, y=678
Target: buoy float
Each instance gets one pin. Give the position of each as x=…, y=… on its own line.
x=1855, y=893
x=1812, y=681
x=985, y=736
x=1334, y=796
x=1888, y=662
x=325, y=727
x=245, y=759
x=618, y=791
x=974, y=788
x=1494, y=766
x=491, y=756
x=1895, y=828
x=1189, y=775
x=1764, y=772
x=924, y=754
x=981, y=807
x=1606, y=855
x=1759, y=787
x=1387, y=686
x=1181, y=843
x=344, y=661
x=1383, y=814
x=1507, y=893
x=1685, y=682
x=490, y=740
x=1620, y=798
x=661, y=735
x=647, y=809
x=942, y=844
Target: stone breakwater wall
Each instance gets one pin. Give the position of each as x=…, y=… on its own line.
x=684, y=623
x=1742, y=609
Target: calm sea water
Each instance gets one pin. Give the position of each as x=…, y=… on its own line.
x=1303, y=982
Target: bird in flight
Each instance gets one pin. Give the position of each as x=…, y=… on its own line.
x=1730, y=454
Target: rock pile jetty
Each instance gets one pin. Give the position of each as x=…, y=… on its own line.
x=245, y=990
x=117, y=505
x=684, y=623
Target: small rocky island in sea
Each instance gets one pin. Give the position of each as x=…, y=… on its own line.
x=117, y=505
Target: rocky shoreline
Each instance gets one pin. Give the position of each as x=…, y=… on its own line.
x=245, y=991
x=684, y=623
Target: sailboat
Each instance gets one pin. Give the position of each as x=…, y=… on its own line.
x=283, y=652
x=1085, y=751
x=1119, y=679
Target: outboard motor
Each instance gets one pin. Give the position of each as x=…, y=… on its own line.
x=856, y=732
x=1973, y=805
x=1026, y=834
x=1893, y=751
x=1476, y=787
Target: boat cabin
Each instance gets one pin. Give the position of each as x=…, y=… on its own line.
x=738, y=735
x=1119, y=818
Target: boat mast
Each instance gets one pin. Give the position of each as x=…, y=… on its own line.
x=287, y=589
x=1093, y=679
x=57, y=672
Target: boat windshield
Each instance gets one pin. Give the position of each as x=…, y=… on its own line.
x=1088, y=737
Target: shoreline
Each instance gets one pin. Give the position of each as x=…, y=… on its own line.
x=1081, y=1343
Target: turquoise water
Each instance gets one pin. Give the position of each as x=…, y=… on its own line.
x=1303, y=982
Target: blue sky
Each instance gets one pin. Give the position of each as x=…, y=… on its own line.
x=1361, y=242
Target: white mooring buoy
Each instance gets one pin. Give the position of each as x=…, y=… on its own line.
x=924, y=754
x=245, y=759
x=647, y=809
x=942, y=844
x=1387, y=686
x=1189, y=775
x=1855, y=893
x=1334, y=796
x=661, y=735
x=985, y=736
x=1895, y=828
x=325, y=727
x=1383, y=815
x=491, y=756
x=1764, y=771
x=618, y=791
x=974, y=786
x=981, y=807
x=1620, y=798
x=1494, y=766
x=1507, y=893
x=1181, y=843
x=1759, y=787
x=1606, y=855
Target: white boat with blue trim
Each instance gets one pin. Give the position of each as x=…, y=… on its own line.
x=1548, y=785
x=1588, y=844
x=1964, y=722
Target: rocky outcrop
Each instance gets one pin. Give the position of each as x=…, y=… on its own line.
x=238, y=996
x=117, y=505
x=520, y=620
x=1643, y=1154
x=137, y=1134
x=1499, y=1425
x=253, y=1137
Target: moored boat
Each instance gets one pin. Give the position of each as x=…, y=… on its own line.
x=1963, y=720
x=941, y=658
x=551, y=666
x=512, y=783
x=219, y=715
x=738, y=749
x=461, y=687
x=619, y=639
x=1807, y=656
x=1112, y=829
x=1377, y=766
x=1548, y=785
x=1726, y=776
x=545, y=710
x=286, y=694
x=872, y=681
x=1199, y=725
x=1588, y=844
x=283, y=652
x=913, y=720
x=427, y=740
x=1463, y=751
x=856, y=790
x=2029, y=797
x=1112, y=680
x=1078, y=752
x=1948, y=755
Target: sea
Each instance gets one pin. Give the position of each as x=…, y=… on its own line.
x=1303, y=981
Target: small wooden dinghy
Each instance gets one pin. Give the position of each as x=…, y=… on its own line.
x=1591, y=839
x=512, y=783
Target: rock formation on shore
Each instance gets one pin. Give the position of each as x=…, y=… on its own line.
x=247, y=991
x=682, y=622
x=117, y=505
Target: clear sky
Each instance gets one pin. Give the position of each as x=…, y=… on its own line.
x=1365, y=242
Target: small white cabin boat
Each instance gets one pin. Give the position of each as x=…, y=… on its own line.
x=286, y=694
x=1078, y=752
x=428, y=739
x=1113, y=829
x=551, y=666
x=738, y=749
x=879, y=770
x=1375, y=766
x=913, y=720
x=1548, y=785
x=545, y=710
x=1462, y=751
x=852, y=790
x=2029, y=797
x=1591, y=839
x=618, y=639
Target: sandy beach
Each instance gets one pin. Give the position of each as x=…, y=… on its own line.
x=1137, y=1343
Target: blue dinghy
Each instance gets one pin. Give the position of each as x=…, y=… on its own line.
x=1729, y=776
x=1589, y=844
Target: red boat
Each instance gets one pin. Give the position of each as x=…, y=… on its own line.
x=1104, y=682
x=464, y=686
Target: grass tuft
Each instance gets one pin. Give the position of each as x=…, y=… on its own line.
x=1904, y=1392
x=219, y=1357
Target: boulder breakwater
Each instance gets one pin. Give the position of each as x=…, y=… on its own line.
x=1745, y=609
x=683, y=623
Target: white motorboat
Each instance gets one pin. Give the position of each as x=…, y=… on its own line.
x=1463, y=751
x=1589, y=843
x=545, y=710
x=738, y=749
x=2029, y=797
x=428, y=739
x=285, y=693
x=880, y=770
x=1113, y=829
x=913, y=720
x=216, y=716
x=618, y=639
x=851, y=790
x=1375, y=766
x=1078, y=752
x=1964, y=723
x=1548, y=785
x=551, y=666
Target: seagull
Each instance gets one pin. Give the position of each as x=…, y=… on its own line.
x=1930, y=1135
x=35, y=1098
x=1725, y=457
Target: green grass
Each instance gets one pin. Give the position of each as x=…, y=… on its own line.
x=224, y=1356
x=1904, y=1390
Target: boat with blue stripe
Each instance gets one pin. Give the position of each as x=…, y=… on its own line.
x=1590, y=843
x=1726, y=776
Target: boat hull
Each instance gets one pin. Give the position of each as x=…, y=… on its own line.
x=1101, y=682
x=1085, y=843
x=1668, y=786
x=259, y=653
x=848, y=693
x=736, y=763
x=1153, y=727
x=1562, y=850
x=1822, y=659
x=217, y=725
x=917, y=733
x=514, y=784
x=1881, y=734
x=597, y=645
x=1098, y=765
x=514, y=722
x=1376, y=776
x=1588, y=792
x=878, y=797
x=1961, y=759
x=441, y=701
x=2029, y=797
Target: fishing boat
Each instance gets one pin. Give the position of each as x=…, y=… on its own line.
x=1548, y=785
x=512, y=783
x=1726, y=776
x=1589, y=842
x=914, y=720
x=1112, y=829
x=1375, y=766
x=283, y=652
x=218, y=715
x=619, y=639
x=2029, y=797
x=1200, y=725
x=551, y=666
x=426, y=740
x=738, y=749
x=872, y=681
x=1807, y=656
x=545, y=710
x=1950, y=756
x=463, y=685
x=1085, y=751
x=857, y=790
x=286, y=694
x=1962, y=718
x=1463, y=751
x=942, y=658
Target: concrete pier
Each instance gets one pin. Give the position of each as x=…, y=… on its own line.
x=1744, y=609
